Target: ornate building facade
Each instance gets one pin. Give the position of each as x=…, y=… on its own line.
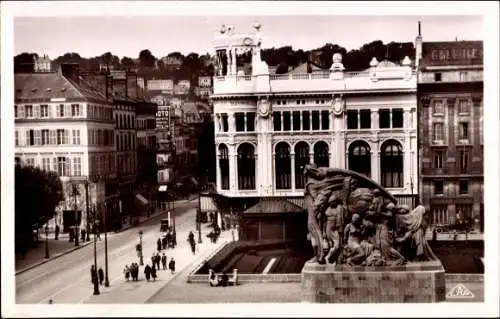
x=267, y=127
x=450, y=89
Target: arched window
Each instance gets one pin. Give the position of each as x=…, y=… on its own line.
x=224, y=166
x=246, y=166
x=301, y=159
x=283, y=166
x=391, y=164
x=359, y=158
x=321, y=157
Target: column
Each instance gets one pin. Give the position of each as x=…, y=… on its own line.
x=331, y=152
x=332, y=118
x=273, y=174
x=374, y=118
x=390, y=118
x=300, y=117
x=407, y=167
x=310, y=120
x=311, y=156
x=375, y=163
x=282, y=123
x=292, y=161
x=232, y=168
x=218, y=172
x=245, y=116
x=406, y=120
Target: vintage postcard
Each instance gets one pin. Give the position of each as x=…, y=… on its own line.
x=253, y=158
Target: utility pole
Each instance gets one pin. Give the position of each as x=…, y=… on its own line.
x=106, y=280
x=75, y=190
x=87, y=208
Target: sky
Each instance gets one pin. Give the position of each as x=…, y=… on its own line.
x=162, y=34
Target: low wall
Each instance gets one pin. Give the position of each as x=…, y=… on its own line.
x=421, y=282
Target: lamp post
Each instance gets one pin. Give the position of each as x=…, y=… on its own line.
x=96, y=284
x=46, y=241
x=141, y=260
x=76, y=216
x=198, y=223
x=87, y=208
x=106, y=280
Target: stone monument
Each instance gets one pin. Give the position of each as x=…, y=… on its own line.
x=367, y=248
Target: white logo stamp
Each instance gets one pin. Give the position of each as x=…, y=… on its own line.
x=459, y=291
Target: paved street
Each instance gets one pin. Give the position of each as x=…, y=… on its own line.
x=67, y=279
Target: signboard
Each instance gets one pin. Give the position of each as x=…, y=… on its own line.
x=163, y=117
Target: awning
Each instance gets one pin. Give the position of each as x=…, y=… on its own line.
x=142, y=199
x=207, y=204
x=274, y=206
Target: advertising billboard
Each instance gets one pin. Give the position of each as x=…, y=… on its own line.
x=163, y=117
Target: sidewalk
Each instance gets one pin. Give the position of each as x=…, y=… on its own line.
x=57, y=248
x=141, y=291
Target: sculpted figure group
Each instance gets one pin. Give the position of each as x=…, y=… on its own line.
x=353, y=220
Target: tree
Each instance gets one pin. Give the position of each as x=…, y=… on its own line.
x=24, y=62
x=147, y=59
x=37, y=194
x=127, y=63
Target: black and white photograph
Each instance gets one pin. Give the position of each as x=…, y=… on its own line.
x=180, y=158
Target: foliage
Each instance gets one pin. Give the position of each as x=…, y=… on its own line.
x=194, y=64
x=147, y=59
x=37, y=194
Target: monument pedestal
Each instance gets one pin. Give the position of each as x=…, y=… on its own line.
x=414, y=282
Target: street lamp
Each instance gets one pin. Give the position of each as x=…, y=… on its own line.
x=96, y=284
x=141, y=261
x=46, y=241
x=106, y=280
x=87, y=208
x=75, y=190
x=198, y=223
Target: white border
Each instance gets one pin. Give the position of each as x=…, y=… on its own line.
x=489, y=10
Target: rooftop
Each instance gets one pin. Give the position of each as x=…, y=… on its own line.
x=46, y=86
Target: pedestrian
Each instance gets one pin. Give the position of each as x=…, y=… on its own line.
x=434, y=234
x=101, y=275
x=158, y=260
x=93, y=274
x=158, y=244
x=153, y=273
x=135, y=272
x=190, y=236
x=164, y=261
x=164, y=242
x=126, y=272
x=171, y=265
x=153, y=259
x=97, y=232
x=193, y=246
x=147, y=272
x=57, y=232
x=83, y=234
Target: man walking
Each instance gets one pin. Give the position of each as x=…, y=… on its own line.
x=164, y=261
x=171, y=265
x=93, y=274
x=147, y=272
x=57, y=232
x=101, y=275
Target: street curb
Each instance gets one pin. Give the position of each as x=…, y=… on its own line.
x=52, y=258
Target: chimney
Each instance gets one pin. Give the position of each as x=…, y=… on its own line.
x=418, y=46
x=70, y=71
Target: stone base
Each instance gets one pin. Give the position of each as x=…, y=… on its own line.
x=414, y=282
